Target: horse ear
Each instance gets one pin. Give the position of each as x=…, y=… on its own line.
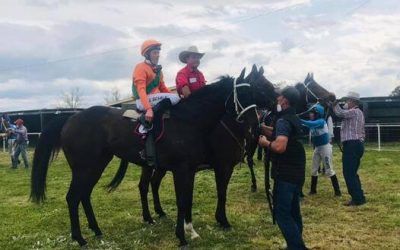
x=254, y=69
x=308, y=77
x=241, y=76
x=312, y=76
x=261, y=71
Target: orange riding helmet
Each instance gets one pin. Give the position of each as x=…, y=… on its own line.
x=149, y=44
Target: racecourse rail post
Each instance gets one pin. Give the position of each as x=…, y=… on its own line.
x=379, y=136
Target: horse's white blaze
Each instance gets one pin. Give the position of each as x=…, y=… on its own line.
x=190, y=230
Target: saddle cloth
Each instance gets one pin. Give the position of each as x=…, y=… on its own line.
x=142, y=130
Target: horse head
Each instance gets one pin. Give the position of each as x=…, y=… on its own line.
x=243, y=105
x=263, y=90
x=311, y=92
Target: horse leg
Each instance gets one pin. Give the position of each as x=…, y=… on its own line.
x=144, y=183
x=181, y=190
x=87, y=205
x=222, y=177
x=188, y=216
x=250, y=163
x=73, y=199
x=155, y=186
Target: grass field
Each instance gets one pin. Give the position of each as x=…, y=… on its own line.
x=327, y=223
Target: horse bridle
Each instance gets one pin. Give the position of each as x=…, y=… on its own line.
x=309, y=91
x=239, y=109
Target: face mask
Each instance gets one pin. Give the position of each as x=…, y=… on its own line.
x=278, y=108
x=346, y=106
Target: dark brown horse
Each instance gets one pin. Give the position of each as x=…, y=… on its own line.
x=222, y=160
x=92, y=137
x=310, y=93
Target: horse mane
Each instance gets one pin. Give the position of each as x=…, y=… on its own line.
x=194, y=108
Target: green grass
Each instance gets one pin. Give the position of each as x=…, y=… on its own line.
x=327, y=223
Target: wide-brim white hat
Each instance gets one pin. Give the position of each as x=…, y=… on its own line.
x=191, y=50
x=352, y=95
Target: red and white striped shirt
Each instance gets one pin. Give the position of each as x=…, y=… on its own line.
x=352, y=124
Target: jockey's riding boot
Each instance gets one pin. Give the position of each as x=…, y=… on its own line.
x=335, y=185
x=151, y=150
x=314, y=181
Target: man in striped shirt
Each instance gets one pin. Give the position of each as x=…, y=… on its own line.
x=352, y=135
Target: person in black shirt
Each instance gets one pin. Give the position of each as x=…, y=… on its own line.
x=288, y=168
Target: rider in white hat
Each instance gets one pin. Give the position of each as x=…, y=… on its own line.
x=190, y=78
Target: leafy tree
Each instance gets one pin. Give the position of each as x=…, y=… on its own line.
x=396, y=91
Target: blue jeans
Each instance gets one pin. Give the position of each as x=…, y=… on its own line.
x=287, y=213
x=21, y=149
x=352, y=152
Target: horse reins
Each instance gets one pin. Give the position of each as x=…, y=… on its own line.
x=232, y=134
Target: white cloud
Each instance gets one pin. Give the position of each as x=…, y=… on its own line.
x=358, y=51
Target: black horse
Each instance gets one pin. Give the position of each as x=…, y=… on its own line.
x=92, y=137
x=310, y=93
x=222, y=160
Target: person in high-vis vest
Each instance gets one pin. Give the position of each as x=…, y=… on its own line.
x=148, y=88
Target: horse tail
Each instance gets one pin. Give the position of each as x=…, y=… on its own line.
x=119, y=176
x=48, y=146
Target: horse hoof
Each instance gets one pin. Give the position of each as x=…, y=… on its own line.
x=96, y=231
x=161, y=214
x=195, y=236
x=226, y=226
x=184, y=246
x=150, y=221
x=98, y=236
x=253, y=189
x=81, y=241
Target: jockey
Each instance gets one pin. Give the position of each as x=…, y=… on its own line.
x=148, y=81
x=148, y=88
x=190, y=78
x=321, y=138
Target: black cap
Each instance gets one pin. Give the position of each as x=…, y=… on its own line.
x=291, y=94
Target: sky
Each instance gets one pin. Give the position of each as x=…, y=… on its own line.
x=50, y=47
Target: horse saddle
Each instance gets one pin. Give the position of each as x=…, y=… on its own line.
x=143, y=128
x=132, y=114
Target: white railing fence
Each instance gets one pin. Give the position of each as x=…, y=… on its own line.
x=4, y=139
x=380, y=136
